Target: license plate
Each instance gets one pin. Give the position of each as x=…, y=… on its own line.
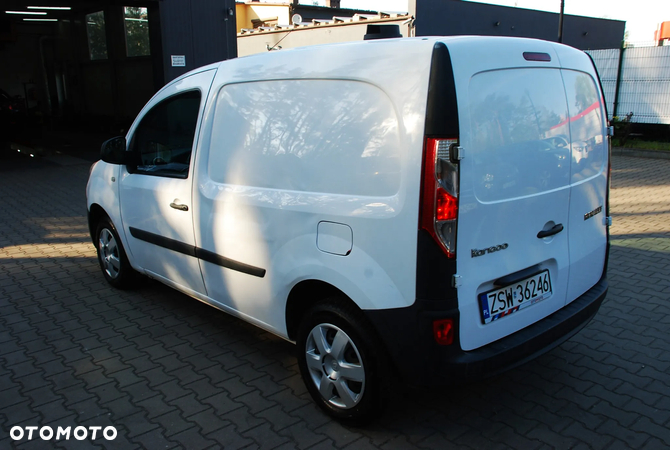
x=502, y=302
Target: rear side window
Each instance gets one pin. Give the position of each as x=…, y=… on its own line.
x=330, y=136
x=163, y=141
x=520, y=138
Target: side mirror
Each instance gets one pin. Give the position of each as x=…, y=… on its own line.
x=113, y=151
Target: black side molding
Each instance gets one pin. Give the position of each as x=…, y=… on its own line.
x=196, y=252
x=228, y=263
x=162, y=241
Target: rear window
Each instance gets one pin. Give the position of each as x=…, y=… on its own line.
x=520, y=140
x=330, y=136
x=587, y=126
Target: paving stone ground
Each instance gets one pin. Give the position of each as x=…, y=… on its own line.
x=170, y=372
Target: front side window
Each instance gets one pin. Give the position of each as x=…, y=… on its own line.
x=97, y=39
x=136, y=23
x=163, y=141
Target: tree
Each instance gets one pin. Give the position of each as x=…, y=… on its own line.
x=136, y=21
x=97, y=39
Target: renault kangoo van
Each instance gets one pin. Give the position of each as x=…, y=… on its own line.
x=422, y=209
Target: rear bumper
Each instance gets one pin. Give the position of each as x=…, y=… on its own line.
x=419, y=360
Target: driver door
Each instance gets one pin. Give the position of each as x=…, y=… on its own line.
x=155, y=192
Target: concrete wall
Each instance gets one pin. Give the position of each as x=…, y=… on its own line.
x=259, y=42
x=309, y=12
x=455, y=17
x=246, y=12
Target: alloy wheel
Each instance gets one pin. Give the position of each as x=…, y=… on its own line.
x=335, y=366
x=109, y=253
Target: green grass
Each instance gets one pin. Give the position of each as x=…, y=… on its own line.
x=643, y=145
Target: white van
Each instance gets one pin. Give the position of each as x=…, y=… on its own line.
x=432, y=209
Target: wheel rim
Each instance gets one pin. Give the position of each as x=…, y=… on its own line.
x=335, y=366
x=109, y=253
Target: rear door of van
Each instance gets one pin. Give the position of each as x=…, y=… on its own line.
x=587, y=231
x=516, y=181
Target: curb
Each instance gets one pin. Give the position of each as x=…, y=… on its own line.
x=639, y=153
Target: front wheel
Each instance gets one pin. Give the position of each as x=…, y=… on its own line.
x=342, y=362
x=112, y=257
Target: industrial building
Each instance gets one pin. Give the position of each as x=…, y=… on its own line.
x=96, y=62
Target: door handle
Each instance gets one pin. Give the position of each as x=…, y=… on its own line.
x=178, y=206
x=554, y=230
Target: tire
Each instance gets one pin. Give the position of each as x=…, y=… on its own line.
x=342, y=362
x=112, y=257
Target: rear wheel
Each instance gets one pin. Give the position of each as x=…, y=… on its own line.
x=342, y=362
x=112, y=257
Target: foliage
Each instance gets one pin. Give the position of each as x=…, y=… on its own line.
x=97, y=39
x=622, y=127
x=137, y=31
x=642, y=145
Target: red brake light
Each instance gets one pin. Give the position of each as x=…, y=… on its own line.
x=439, y=194
x=447, y=206
x=536, y=56
x=443, y=331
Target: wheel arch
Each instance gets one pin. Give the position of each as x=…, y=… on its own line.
x=95, y=213
x=307, y=293
x=333, y=309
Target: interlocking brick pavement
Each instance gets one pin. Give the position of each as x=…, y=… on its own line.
x=170, y=372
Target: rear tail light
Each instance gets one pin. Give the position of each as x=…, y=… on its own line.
x=439, y=206
x=446, y=207
x=443, y=331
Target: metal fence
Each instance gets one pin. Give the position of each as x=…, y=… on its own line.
x=641, y=84
x=607, y=64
